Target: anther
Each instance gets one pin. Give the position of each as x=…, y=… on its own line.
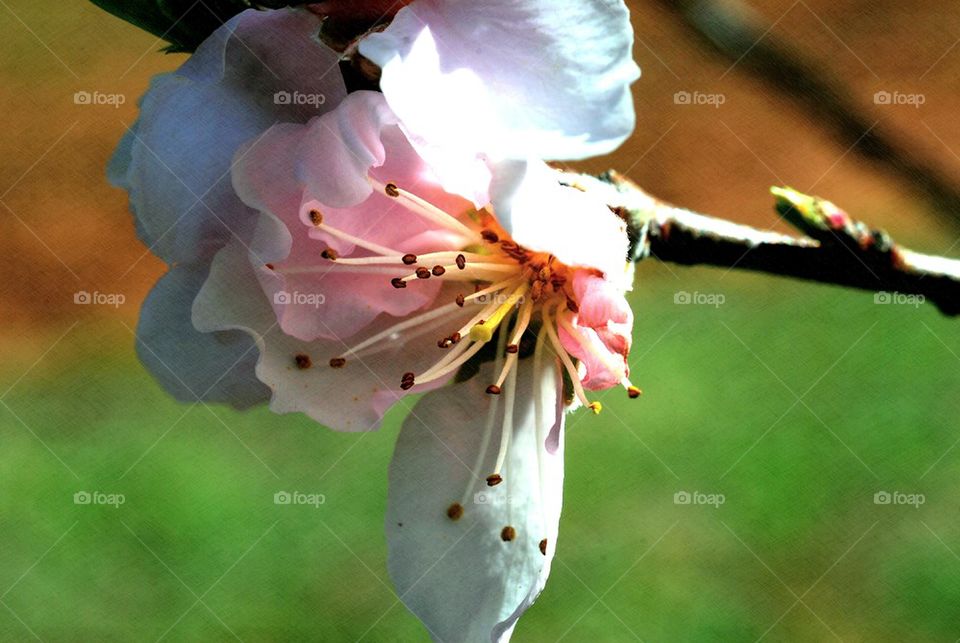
x=455, y=511
x=269, y=266
x=337, y=362
x=543, y=546
x=493, y=389
x=316, y=217
x=572, y=306
x=330, y=254
x=508, y=533
x=409, y=259
x=391, y=190
x=596, y=407
x=513, y=348
x=423, y=273
x=460, y=300
x=634, y=392
x=407, y=381
x=438, y=270
x=303, y=361
x=461, y=262
x=397, y=282
x=489, y=236
x=494, y=479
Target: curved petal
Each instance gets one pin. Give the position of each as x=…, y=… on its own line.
x=602, y=351
x=258, y=68
x=351, y=398
x=511, y=78
x=542, y=214
x=461, y=578
x=295, y=170
x=190, y=365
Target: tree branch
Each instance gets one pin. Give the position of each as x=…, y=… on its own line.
x=835, y=249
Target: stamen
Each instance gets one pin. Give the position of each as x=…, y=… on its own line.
x=523, y=320
x=543, y=546
x=453, y=364
x=493, y=389
x=508, y=533
x=567, y=363
x=409, y=259
x=302, y=361
x=317, y=219
x=483, y=331
x=424, y=208
x=507, y=433
x=494, y=480
x=455, y=511
x=632, y=391
x=438, y=271
x=337, y=362
x=330, y=253
x=461, y=261
x=412, y=322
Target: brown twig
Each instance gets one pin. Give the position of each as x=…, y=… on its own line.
x=835, y=249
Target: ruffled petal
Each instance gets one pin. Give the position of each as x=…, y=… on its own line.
x=190, y=365
x=351, y=398
x=259, y=68
x=510, y=78
x=460, y=577
x=602, y=351
x=296, y=170
x=542, y=214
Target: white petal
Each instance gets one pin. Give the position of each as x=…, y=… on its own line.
x=459, y=577
x=190, y=365
x=542, y=214
x=175, y=161
x=351, y=398
x=547, y=78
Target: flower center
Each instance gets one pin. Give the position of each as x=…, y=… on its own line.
x=515, y=290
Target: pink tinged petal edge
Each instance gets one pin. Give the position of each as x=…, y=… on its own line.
x=459, y=577
x=602, y=354
x=351, y=398
x=284, y=174
x=175, y=160
x=534, y=90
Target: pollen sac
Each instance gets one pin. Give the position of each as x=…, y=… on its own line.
x=508, y=533
x=543, y=546
x=330, y=254
x=397, y=282
x=493, y=389
x=409, y=259
x=316, y=217
x=460, y=300
x=489, y=236
x=407, y=381
x=337, y=362
x=423, y=273
x=494, y=479
x=455, y=511
x=633, y=392
x=438, y=270
x=461, y=262
x=392, y=190
x=303, y=361
x=513, y=348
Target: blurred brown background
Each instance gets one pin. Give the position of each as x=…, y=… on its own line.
x=65, y=229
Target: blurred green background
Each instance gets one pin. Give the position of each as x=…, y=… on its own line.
x=797, y=402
